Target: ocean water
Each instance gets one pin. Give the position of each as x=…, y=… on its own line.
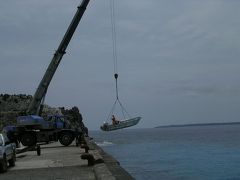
x=198, y=152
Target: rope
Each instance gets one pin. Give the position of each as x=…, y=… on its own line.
x=112, y=109
x=123, y=110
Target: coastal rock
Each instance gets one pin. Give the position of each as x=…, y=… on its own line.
x=12, y=106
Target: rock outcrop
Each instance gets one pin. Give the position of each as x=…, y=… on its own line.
x=12, y=106
x=74, y=117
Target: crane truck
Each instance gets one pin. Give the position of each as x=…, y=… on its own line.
x=32, y=128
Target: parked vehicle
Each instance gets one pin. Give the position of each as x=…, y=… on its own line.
x=7, y=153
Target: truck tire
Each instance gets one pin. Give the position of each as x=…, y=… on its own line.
x=28, y=139
x=12, y=160
x=66, y=138
x=3, y=164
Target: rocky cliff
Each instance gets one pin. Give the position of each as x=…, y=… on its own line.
x=12, y=106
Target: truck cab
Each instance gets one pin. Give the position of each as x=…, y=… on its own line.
x=59, y=121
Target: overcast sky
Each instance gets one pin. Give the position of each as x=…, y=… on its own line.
x=178, y=61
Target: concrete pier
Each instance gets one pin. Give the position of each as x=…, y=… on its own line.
x=57, y=162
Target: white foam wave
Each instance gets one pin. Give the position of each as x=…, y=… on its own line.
x=104, y=143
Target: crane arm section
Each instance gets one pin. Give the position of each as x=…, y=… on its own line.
x=43, y=86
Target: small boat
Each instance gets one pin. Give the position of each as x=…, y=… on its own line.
x=121, y=124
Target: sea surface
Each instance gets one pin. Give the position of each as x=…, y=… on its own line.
x=196, y=152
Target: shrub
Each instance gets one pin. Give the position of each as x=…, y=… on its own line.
x=5, y=97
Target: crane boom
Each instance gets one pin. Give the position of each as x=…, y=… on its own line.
x=52, y=67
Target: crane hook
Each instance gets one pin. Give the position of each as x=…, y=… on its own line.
x=116, y=76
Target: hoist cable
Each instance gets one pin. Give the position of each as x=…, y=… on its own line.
x=114, y=43
x=115, y=68
x=114, y=37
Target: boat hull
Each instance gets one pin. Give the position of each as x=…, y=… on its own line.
x=122, y=124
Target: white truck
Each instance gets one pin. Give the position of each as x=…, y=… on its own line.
x=7, y=153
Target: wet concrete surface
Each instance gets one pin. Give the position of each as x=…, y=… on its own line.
x=58, y=162
x=55, y=162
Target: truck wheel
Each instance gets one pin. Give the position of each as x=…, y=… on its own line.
x=66, y=139
x=28, y=139
x=3, y=164
x=12, y=161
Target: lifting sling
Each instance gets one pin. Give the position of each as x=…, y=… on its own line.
x=124, y=112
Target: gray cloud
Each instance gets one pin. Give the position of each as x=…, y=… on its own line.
x=178, y=60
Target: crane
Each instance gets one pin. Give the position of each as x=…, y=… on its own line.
x=34, y=107
x=31, y=129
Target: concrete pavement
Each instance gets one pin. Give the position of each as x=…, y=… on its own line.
x=58, y=162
